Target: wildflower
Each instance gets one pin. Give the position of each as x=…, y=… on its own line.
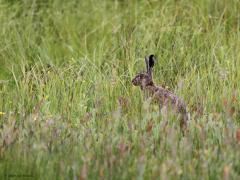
x=149, y=126
x=226, y=172
x=238, y=135
x=2, y=113
x=84, y=172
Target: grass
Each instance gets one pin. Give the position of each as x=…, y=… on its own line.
x=68, y=109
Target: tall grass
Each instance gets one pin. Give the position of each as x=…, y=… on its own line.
x=68, y=109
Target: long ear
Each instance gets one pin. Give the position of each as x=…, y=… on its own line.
x=147, y=64
x=151, y=60
x=150, y=64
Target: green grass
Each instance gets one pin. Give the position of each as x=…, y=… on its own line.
x=71, y=111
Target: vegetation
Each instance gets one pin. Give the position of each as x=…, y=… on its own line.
x=67, y=106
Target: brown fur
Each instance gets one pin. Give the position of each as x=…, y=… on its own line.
x=162, y=96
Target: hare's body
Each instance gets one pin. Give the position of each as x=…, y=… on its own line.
x=166, y=99
x=160, y=95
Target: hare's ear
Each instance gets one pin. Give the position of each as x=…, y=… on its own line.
x=151, y=61
x=149, y=64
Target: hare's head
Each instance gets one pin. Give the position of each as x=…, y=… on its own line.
x=145, y=79
x=142, y=79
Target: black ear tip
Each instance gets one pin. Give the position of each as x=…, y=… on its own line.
x=151, y=60
x=151, y=56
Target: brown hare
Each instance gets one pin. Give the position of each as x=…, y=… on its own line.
x=162, y=96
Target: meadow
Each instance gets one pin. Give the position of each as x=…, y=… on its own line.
x=68, y=109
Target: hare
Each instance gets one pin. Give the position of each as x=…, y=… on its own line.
x=162, y=96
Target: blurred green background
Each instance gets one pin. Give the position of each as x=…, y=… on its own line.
x=67, y=106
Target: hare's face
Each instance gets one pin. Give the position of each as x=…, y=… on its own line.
x=142, y=79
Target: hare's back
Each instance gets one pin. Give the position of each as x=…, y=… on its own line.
x=166, y=96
